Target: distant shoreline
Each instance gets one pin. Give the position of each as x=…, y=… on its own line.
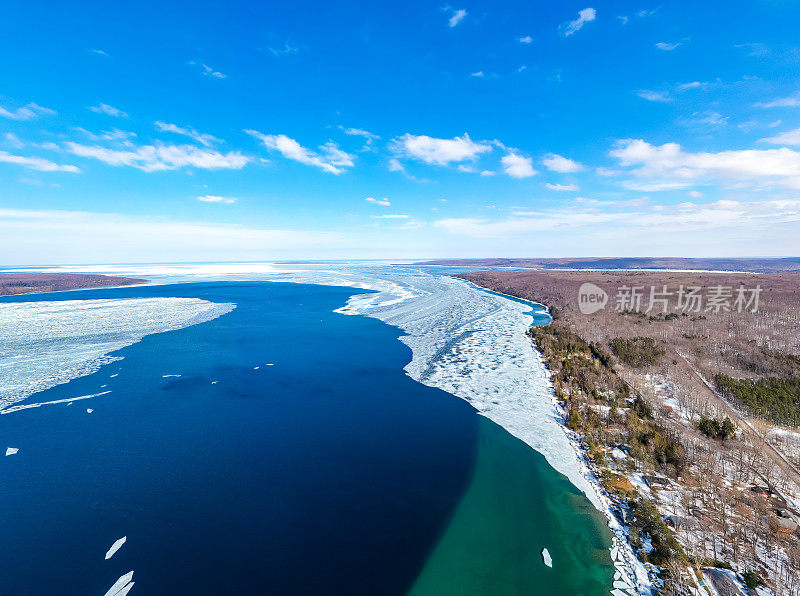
x=744, y=265
x=15, y=284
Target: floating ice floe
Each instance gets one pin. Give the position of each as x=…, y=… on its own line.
x=11, y=451
x=89, y=410
x=256, y=367
x=548, y=560
x=44, y=343
x=114, y=375
x=122, y=586
x=115, y=547
x=169, y=376
x=269, y=364
x=68, y=401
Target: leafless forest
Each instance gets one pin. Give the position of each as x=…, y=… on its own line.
x=28, y=283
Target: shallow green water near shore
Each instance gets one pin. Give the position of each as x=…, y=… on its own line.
x=515, y=506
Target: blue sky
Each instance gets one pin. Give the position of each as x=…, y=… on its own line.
x=145, y=132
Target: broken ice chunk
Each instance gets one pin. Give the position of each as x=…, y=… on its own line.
x=120, y=585
x=11, y=451
x=115, y=547
x=546, y=557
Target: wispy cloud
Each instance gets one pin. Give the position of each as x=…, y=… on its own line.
x=32, y=235
x=754, y=49
x=668, y=46
x=329, y=159
x=160, y=157
x=208, y=71
x=216, y=199
x=441, y=152
x=791, y=101
x=704, y=121
x=37, y=163
x=382, y=202
x=205, y=139
x=108, y=110
x=563, y=165
x=456, y=16
x=390, y=216
x=518, y=166
x=790, y=137
x=630, y=217
x=28, y=112
x=657, y=96
x=284, y=50
x=587, y=15
x=478, y=74
x=562, y=187
x=100, y=53
x=527, y=39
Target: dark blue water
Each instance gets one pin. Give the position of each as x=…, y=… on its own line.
x=329, y=472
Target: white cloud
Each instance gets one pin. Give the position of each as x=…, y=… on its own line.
x=286, y=50
x=28, y=112
x=391, y=216
x=517, y=166
x=330, y=159
x=705, y=121
x=440, y=152
x=383, y=202
x=696, y=194
x=369, y=138
x=754, y=49
x=37, y=163
x=14, y=140
x=616, y=217
x=486, y=173
x=668, y=47
x=668, y=166
x=562, y=187
x=526, y=40
x=208, y=71
x=456, y=17
x=396, y=166
x=623, y=20
x=692, y=85
x=216, y=199
x=108, y=110
x=158, y=157
x=790, y=137
x=99, y=53
x=205, y=139
x=660, y=96
x=557, y=163
x=792, y=101
x=78, y=237
x=478, y=74
x=586, y=15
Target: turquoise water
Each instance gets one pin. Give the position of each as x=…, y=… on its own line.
x=329, y=472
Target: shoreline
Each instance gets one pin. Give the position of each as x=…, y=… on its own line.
x=626, y=564
x=625, y=561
